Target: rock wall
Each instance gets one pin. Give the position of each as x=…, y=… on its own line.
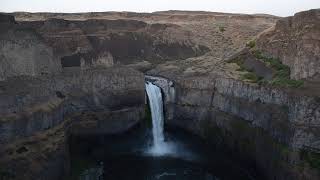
x=38, y=114
x=296, y=42
x=23, y=51
x=271, y=129
x=101, y=42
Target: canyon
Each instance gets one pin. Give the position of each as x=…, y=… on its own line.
x=247, y=84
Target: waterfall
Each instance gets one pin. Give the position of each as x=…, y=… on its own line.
x=156, y=107
x=160, y=147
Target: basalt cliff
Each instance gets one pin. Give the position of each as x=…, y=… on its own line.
x=248, y=84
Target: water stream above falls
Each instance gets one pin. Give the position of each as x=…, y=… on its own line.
x=151, y=154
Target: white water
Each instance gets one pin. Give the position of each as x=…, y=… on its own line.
x=156, y=107
x=160, y=147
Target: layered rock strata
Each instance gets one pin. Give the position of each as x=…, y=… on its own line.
x=272, y=129
x=39, y=114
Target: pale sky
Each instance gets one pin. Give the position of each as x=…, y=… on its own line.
x=275, y=7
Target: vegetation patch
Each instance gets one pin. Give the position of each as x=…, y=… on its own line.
x=252, y=77
x=285, y=82
x=222, y=29
x=239, y=62
x=251, y=44
x=249, y=75
x=281, y=76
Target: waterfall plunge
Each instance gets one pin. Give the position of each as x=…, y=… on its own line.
x=159, y=146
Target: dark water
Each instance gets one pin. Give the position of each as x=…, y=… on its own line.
x=126, y=157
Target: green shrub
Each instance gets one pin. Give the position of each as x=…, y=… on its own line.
x=238, y=61
x=251, y=44
x=263, y=82
x=283, y=73
x=242, y=68
x=285, y=82
x=281, y=76
x=250, y=76
x=222, y=28
x=276, y=64
x=257, y=54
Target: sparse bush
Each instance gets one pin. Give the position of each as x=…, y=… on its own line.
x=241, y=69
x=263, y=82
x=257, y=54
x=238, y=61
x=250, y=76
x=251, y=44
x=285, y=82
x=281, y=75
x=222, y=28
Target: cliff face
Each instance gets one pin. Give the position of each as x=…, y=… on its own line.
x=296, y=42
x=274, y=129
x=39, y=114
x=101, y=42
x=23, y=51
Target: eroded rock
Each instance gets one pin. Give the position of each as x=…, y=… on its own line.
x=295, y=41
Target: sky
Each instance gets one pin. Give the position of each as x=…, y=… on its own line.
x=274, y=7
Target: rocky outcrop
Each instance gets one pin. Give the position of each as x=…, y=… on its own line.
x=39, y=114
x=23, y=51
x=296, y=42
